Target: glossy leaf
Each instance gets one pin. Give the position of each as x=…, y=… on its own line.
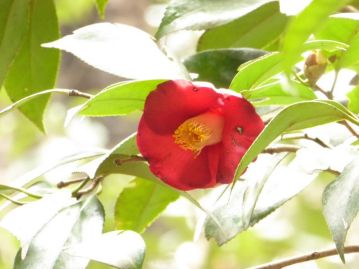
x=121, y=50
x=120, y=99
x=303, y=25
x=228, y=218
x=219, y=66
x=253, y=73
x=71, y=225
x=257, y=29
x=101, y=6
x=276, y=94
x=340, y=204
x=140, y=203
x=353, y=97
x=295, y=117
x=339, y=27
x=33, y=68
x=120, y=249
x=203, y=14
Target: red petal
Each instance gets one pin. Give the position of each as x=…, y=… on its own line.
x=242, y=126
x=174, y=101
x=174, y=165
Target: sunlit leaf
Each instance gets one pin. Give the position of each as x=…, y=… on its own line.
x=340, y=204
x=339, y=27
x=276, y=94
x=44, y=210
x=350, y=57
x=120, y=99
x=71, y=225
x=121, y=50
x=203, y=14
x=257, y=29
x=295, y=117
x=140, y=203
x=304, y=24
x=353, y=97
x=220, y=65
x=32, y=68
x=253, y=73
x=120, y=249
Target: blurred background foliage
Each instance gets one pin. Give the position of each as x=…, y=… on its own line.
x=298, y=227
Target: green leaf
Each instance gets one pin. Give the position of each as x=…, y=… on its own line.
x=295, y=117
x=257, y=29
x=276, y=94
x=140, y=204
x=303, y=25
x=120, y=249
x=253, y=73
x=13, y=26
x=101, y=6
x=219, y=66
x=353, y=97
x=121, y=50
x=228, y=218
x=120, y=99
x=203, y=14
x=350, y=57
x=341, y=204
x=339, y=27
x=70, y=226
x=33, y=68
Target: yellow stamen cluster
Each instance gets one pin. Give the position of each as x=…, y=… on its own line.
x=192, y=135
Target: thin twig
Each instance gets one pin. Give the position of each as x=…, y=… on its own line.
x=334, y=83
x=329, y=95
x=308, y=257
x=307, y=137
x=92, y=187
x=350, y=129
x=280, y=149
x=63, y=184
x=134, y=158
x=79, y=94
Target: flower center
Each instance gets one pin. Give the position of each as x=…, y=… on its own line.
x=200, y=131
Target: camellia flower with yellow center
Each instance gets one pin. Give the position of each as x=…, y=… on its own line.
x=194, y=136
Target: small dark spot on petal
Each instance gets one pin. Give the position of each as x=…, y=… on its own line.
x=195, y=89
x=239, y=129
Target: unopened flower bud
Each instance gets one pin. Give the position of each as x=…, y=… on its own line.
x=314, y=66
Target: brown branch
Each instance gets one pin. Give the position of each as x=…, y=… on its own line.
x=66, y=183
x=79, y=94
x=350, y=129
x=307, y=137
x=308, y=257
x=329, y=95
x=280, y=149
x=80, y=192
x=133, y=158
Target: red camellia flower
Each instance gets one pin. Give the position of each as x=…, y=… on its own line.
x=194, y=136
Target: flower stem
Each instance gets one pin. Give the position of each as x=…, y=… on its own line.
x=307, y=257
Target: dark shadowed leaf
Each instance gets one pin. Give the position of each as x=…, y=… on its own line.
x=32, y=68
x=257, y=29
x=203, y=14
x=303, y=25
x=295, y=117
x=69, y=226
x=121, y=50
x=341, y=204
x=140, y=203
x=120, y=249
x=119, y=99
x=220, y=65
